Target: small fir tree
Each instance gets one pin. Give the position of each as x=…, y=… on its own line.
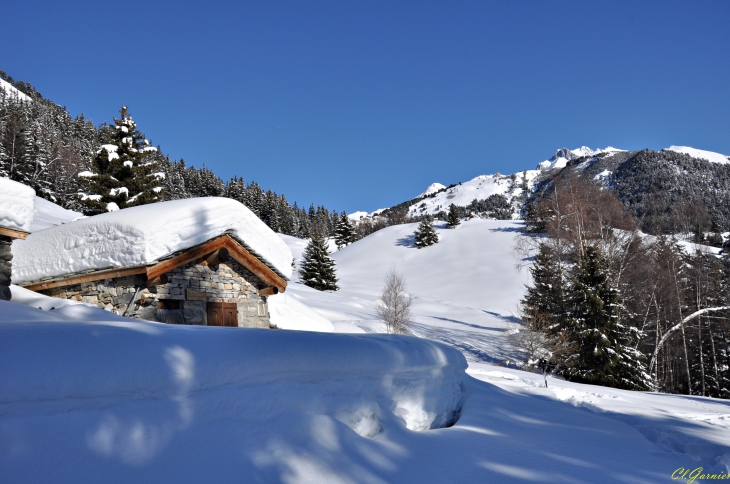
x=317, y=268
x=425, y=234
x=122, y=175
x=344, y=231
x=452, y=219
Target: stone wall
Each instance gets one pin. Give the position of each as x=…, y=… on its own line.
x=6, y=256
x=193, y=285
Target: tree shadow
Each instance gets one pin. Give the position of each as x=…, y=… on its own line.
x=407, y=241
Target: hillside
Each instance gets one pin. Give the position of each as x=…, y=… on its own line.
x=147, y=402
x=651, y=184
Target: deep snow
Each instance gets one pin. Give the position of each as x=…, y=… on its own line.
x=17, y=205
x=710, y=156
x=142, y=235
x=88, y=396
x=12, y=91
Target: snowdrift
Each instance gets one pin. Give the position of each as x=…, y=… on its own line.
x=17, y=204
x=55, y=368
x=142, y=235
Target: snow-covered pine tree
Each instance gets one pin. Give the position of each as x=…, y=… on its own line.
x=544, y=307
x=121, y=176
x=606, y=347
x=452, y=219
x=425, y=234
x=344, y=231
x=317, y=269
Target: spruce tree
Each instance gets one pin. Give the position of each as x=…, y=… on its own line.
x=317, y=269
x=121, y=175
x=425, y=234
x=544, y=306
x=344, y=231
x=606, y=347
x=452, y=219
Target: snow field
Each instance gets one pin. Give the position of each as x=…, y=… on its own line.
x=106, y=382
x=17, y=204
x=710, y=156
x=466, y=287
x=12, y=91
x=141, y=235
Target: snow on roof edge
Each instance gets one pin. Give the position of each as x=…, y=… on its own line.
x=144, y=235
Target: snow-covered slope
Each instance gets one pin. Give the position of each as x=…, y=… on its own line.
x=466, y=287
x=17, y=205
x=141, y=235
x=479, y=188
x=115, y=401
x=695, y=153
x=432, y=188
x=12, y=91
x=564, y=155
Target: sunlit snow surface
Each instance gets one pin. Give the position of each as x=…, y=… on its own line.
x=703, y=154
x=130, y=401
x=17, y=205
x=142, y=235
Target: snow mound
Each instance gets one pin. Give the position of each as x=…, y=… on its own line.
x=142, y=235
x=357, y=216
x=12, y=91
x=710, y=156
x=368, y=382
x=17, y=204
x=48, y=214
x=287, y=312
x=432, y=188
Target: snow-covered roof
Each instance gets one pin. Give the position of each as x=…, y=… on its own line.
x=17, y=204
x=710, y=156
x=143, y=235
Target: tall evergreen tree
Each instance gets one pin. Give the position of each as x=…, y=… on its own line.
x=544, y=306
x=425, y=234
x=121, y=176
x=606, y=347
x=452, y=219
x=344, y=231
x=317, y=268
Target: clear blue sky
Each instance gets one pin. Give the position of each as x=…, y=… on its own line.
x=361, y=105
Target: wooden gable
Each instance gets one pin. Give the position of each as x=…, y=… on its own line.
x=155, y=273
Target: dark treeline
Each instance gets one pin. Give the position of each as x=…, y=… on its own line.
x=613, y=307
x=667, y=192
x=43, y=146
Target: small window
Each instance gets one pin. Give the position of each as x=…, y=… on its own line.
x=168, y=304
x=262, y=308
x=168, y=311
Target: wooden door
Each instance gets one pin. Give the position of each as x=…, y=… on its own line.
x=222, y=314
x=230, y=314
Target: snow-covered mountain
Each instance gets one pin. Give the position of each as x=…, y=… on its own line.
x=710, y=156
x=564, y=155
x=13, y=91
x=432, y=188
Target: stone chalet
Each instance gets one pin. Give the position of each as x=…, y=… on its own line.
x=7, y=235
x=217, y=283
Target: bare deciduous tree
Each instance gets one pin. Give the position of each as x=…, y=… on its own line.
x=545, y=351
x=394, y=306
